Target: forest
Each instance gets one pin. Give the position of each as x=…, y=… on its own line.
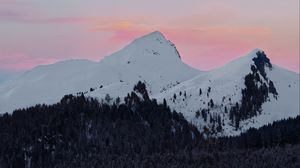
x=82, y=132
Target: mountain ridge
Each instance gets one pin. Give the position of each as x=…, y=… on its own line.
x=50, y=82
x=155, y=61
x=275, y=95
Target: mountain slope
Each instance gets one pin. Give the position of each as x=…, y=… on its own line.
x=224, y=88
x=150, y=58
x=82, y=132
x=247, y=92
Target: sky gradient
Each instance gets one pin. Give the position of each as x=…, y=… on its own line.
x=207, y=33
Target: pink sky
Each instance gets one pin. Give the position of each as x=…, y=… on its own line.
x=207, y=33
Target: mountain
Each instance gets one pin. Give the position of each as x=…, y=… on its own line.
x=151, y=58
x=94, y=133
x=82, y=132
x=247, y=92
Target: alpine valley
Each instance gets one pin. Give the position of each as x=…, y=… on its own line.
x=247, y=92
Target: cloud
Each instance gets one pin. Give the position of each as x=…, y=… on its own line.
x=7, y=13
x=15, y=17
x=207, y=35
x=210, y=35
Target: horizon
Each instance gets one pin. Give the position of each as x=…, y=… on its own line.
x=206, y=40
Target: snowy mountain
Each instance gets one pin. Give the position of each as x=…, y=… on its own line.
x=151, y=58
x=247, y=92
x=224, y=88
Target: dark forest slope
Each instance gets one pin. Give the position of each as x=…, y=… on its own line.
x=82, y=132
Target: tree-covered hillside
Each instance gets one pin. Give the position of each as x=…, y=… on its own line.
x=83, y=132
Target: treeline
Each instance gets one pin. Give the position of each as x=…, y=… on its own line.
x=139, y=133
x=279, y=133
x=81, y=132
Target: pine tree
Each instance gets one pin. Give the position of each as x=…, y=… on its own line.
x=118, y=100
x=219, y=127
x=165, y=103
x=211, y=103
x=204, y=114
x=107, y=98
x=197, y=114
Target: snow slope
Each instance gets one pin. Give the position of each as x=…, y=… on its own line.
x=226, y=84
x=155, y=61
x=150, y=58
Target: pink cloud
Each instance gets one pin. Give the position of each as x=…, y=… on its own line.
x=20, y=18
x=7, y=13
x=202, y=45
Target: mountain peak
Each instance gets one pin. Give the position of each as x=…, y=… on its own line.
x=155, y=36
x=151, y=48
x=257, y=50
x=260, y=59
x=150, y=58
x=253, y=53
x=250, y=57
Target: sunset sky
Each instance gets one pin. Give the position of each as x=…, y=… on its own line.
x=207, y=33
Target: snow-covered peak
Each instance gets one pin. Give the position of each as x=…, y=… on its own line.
x=242, y=65
x=253, y=52
x=152, y=48
x=156, y=35
x=150, y=58
x=226, y=86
